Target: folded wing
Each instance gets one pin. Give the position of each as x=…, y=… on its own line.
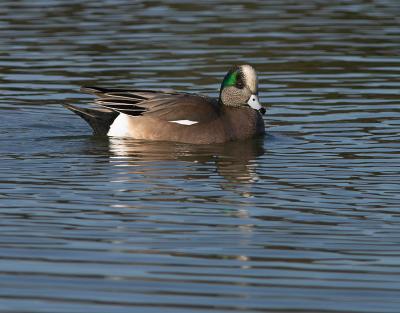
x=158, y=104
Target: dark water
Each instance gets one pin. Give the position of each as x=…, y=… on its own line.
x=306, y=219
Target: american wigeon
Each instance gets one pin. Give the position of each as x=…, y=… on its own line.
x=181, y=117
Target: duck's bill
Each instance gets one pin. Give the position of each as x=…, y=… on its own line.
x=255, y=104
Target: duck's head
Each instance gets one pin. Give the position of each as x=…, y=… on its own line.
x=240, y=88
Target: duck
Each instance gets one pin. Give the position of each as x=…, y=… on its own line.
x=178, y=116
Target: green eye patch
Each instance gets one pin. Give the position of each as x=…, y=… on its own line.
x=230, y=79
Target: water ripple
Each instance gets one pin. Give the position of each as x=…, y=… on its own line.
x=302, y=220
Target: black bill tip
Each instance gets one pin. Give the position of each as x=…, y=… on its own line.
x=262, y=111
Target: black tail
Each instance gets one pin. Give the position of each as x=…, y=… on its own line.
x=99, y=119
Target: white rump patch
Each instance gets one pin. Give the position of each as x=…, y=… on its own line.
x=184, y=122
x=119, y=128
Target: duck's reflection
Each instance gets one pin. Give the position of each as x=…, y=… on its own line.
x=235, y=161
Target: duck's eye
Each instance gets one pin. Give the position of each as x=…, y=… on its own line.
x=240, y=84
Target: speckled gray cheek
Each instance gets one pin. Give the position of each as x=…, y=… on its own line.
x=232, y=96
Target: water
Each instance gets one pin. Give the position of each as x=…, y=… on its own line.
x=305, y=219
